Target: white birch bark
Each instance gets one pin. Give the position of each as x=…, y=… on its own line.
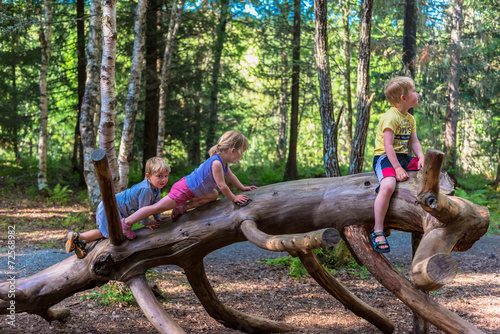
x=90, y=103
x=108, y=99
x=132, y=101
x=175, y=21
x=45, y=41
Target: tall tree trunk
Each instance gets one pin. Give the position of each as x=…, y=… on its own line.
x=410, y=37
x=175, y=21
x=346, y=9
x=283, y=106
x=219, y=46
x=195, y=147
x=453, y=85
x=108, y=99
x=363, y=91
x=45, y=40
x=132, y=100
x=152, y=82
x=77, y=146
x=330, y=128
x=291, y=164
x=90, y=103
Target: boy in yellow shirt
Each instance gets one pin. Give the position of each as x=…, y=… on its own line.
x=391, y=159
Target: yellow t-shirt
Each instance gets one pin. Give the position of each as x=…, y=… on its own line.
x=402, y=126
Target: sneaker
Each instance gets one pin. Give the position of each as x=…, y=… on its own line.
x=72, y=241
x=74, y=244
x=80, y=250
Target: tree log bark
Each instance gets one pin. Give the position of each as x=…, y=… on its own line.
x=275, y=213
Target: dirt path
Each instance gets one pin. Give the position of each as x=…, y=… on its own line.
x=268, y=291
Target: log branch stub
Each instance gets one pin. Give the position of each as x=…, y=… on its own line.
x=394, y=281
x=105, y=179
x=153, y=310
x=291, y=243
x=429, y=187
x=434, y=272
x=225, y=315
x=343, y=295
x=59, y=314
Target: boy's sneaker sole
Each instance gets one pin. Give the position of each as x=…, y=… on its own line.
x=72, y=241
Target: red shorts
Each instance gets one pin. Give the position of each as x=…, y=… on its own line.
x=383, y=167
x=180, y=192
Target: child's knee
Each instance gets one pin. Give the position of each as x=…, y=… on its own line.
x=388, y=185
x=212, y=196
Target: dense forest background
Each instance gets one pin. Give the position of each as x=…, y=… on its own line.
x=210, y=66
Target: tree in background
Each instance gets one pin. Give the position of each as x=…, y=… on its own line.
x=132, y=101
x=410, y=38
x=348, y=115
x=453, y=87
x=291, y=172
x=175, y=21
x=364, y=101
x=90, y=106
x=214, y=89
x=153, y=33
x=108, y=98
x=330, y=127
x=45, y=41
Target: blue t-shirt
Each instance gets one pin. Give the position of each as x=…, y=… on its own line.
x=129, y=201
x=201, y=181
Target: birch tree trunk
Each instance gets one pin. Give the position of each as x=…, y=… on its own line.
x=77, y=147
x=363, y=91
x=347, y=73
x=90, y=103
x=330, y=128
x=45, y=40
x=291, y=172
x=175, y=21
x=132, y=100
x=219, y=46
x=453, y=86
x=108, y=99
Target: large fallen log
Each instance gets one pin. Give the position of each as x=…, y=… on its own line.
x=297, y=217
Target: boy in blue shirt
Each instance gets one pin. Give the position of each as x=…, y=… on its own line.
x=140, y=195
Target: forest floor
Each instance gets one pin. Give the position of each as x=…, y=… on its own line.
x=241, y=280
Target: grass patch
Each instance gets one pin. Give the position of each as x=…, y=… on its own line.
x=112, y=293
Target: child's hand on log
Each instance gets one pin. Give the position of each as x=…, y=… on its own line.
x=153, y=224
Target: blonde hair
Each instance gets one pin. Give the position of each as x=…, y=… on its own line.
x=156, y=165
x=396, y=87
x=230, y=139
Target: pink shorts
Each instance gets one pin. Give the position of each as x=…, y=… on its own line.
x=180, y=192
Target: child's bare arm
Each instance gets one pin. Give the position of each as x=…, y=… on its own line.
x=218, y=174
x=401, y=174
x=233, y=179
x=417, y=149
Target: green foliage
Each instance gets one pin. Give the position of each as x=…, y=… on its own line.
x=74, y=220
x=297, y=270
x=477, y=189
x=112, y=293
x=59, y=194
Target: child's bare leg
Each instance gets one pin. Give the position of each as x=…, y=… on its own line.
x=387, y=186
x=90, y=236
x=199, y=201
